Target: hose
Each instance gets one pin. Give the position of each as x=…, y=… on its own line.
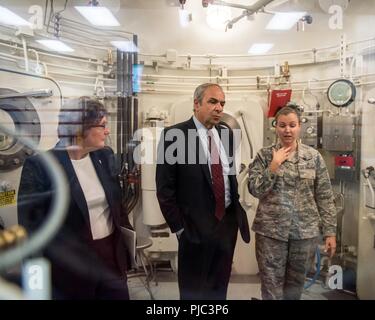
x=316, y=275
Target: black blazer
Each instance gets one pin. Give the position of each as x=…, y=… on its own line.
x=185, y=191
x=74, y=264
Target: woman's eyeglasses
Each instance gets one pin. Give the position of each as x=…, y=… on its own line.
x=104, y=126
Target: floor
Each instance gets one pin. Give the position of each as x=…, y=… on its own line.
x=241, y=287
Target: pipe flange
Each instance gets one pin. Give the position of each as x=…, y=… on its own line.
x=20, y=114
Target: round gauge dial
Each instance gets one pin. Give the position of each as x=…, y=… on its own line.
x=341, y=93
x=310, y=130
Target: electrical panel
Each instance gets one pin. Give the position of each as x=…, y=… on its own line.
x=338, y=133
x=309, y=130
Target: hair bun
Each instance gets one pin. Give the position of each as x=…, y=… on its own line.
x=295, y=106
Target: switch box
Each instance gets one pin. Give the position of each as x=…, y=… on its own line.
x=338, y=133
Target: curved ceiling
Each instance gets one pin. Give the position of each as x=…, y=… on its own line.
x=156, y=22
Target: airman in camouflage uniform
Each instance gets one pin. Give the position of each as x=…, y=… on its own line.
x=295, y=202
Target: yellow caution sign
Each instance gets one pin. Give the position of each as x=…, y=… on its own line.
x=7, y=198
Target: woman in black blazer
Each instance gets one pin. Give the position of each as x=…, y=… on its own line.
x=88, y=255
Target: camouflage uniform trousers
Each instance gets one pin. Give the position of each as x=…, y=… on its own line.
x=283, y=266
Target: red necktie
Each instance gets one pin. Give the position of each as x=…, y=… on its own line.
x=217, y=177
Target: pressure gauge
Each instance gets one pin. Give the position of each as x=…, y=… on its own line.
x=310, y=130
x=341, y=93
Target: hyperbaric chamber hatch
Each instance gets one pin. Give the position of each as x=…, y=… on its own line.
x=17, y=114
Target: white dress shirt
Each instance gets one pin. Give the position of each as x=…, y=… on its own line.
x=203, y=137
x=100, y=219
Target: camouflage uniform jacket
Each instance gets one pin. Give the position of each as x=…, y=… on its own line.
x=295, y=201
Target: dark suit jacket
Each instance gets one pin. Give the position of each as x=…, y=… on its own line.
x=185, y=191
x=75, y=266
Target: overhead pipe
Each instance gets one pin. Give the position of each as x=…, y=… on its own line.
x=236, y=77
x=219, y=56
x=148, y=75
x=35, y=93
x=61, y=56
x=36, y=76
x=62, y=66
x=80, y=76
x=80, y=70
x=187, y=92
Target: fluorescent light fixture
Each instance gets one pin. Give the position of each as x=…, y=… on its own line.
x=98, y=16
x=10, y=18
x=218, y=16
x=284, y=20
x=126, y=46
x=56, y=45
x=260, y=48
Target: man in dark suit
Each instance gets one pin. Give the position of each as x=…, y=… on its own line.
x=197, y=194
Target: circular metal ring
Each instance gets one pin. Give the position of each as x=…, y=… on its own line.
x=26, y=122
x=341, y=93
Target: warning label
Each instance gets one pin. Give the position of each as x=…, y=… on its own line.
x=7, y=198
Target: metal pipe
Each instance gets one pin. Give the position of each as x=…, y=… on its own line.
x=253, y=8
x=135, y=94
x=25, y=54
x=255, y=57
x=35, y=76
x=80, y=76
x=248, y=136
x=62, y=56
x=130, y=110
x=37, y=68
x=36, y=94
x=125, y=115
x=128, y=122
x=119, y=107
